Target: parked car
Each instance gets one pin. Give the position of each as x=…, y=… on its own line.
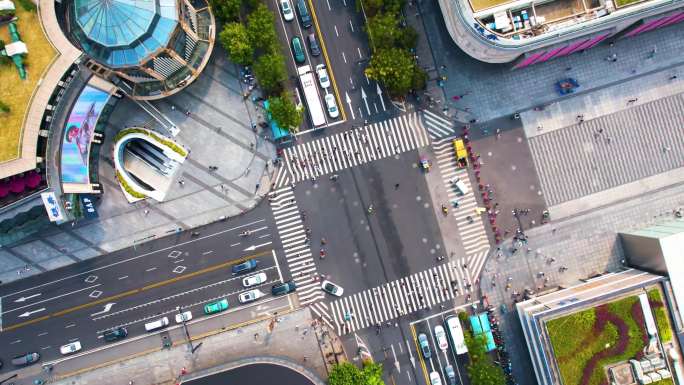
x=313, y=45
x=70, y=348
x=304, y=15
x=244, y=267
x=216, y=307
x=115, y=334
x=298, y=50
x=331, y=104
x=458, y=183
x=424, y=345
x=450, y=374
x=158, y=324
x=440, y=336
x=435, y=379
x=332, y=288
x=183, y=317
x=254, y=280
x=283, y=288
x=26, y=359
x=323, y=78
x=250, y=296
x=286, y=9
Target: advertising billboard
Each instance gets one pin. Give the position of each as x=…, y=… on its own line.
x=52, y=206
x=78, y=134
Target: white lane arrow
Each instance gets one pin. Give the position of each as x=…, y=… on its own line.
x=380, y=96
x=396, y=362
x=365, y=100
x=23, y=299
x=254, y=247
x=348, y=100
x=107, y=308
x=413, y=360
x=28, y=313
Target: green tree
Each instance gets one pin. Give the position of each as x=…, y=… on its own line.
x=4, y=108
x=285, y=112
x=394, y=68
x=383, y=31
x=345, y=374
x=260, y=26
x=419, y=79
x=226, y=10
x=234, y=39
x=393, y=6
x=408, y=38
x=372, y=373
x=371, y=7
x=270, y=71
x=485, y=373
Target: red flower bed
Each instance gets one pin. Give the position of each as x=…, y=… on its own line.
x=638, y=316
x=603, y=316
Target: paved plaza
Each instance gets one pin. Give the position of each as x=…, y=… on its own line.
x=218, y=132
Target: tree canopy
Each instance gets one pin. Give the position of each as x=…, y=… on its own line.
x=234, y=39
x=347, y=373
x=270, y=70
x=261, y=29
x=285, y=112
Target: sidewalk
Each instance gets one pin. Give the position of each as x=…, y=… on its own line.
x=215, y=123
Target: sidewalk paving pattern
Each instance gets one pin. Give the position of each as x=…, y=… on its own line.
x=400, y=297
x=300, y=261
x=351, y=148
x=609, y=151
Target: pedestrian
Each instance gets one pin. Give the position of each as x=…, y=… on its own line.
x=396, y=186
x=456, y=98
x=673, y=77
x=147, y=212
x=633, y=100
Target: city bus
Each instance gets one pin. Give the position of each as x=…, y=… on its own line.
x=280, y=135
x=313, y=100
x=455, y=332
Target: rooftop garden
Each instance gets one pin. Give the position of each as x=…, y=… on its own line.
x=14, y=92
x=586, y=341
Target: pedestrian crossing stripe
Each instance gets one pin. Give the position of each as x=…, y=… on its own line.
x=400, y=297
x=437, y=125
x=351, y=148
x=298, y=254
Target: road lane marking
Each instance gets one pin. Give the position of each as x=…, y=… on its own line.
x=23, y=299
x=208, y=252
x=128, y=293
x=179, y=261
x=151, y=269
x=344, y=57
x=107, y=308
x=264, y=236
x=124, y=277
x=29, y=313
x=280, y=274
x=359, y=51
x=337, y=34
x=234, y=244
x=254, y=247
x=331, y=73
x=50, y=299
x=42, y=334
x=351, y=25
x=46, y=347
x=328, y=1
x=15, y=342
x=134, y=258
x=69, y=326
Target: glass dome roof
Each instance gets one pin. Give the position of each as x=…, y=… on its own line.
x=124, y=32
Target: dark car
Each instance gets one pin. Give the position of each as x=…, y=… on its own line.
x=283, y=288
x=26, y=359
x=313, y=45
x=115, y=334
x=244, y=267
x=303, y=11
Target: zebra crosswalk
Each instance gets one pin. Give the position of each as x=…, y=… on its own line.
x=471, y=225
x=437, y=125
x=298, y=255
x=351, y=148
x=400, y=297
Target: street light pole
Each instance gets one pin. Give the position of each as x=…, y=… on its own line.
x=185, y=327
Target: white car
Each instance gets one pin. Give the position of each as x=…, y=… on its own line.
x=254, y=280
x=435, y=379
x=250, y=296
x=332, y=288
x=286, y=8
x=441, y=338
x=70, y=348
x=323, y=78
x=331, y=105
x=183, y=317
x=458, y=183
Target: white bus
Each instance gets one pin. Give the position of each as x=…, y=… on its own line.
x=453, y=326
x=313, y=101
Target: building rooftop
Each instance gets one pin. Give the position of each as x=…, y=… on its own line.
x=122, y=33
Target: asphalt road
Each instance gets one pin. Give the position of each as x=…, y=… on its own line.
x=265, y=374
x=133, y=286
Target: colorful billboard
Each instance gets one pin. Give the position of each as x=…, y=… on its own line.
x=78, y=133
x=51, y=206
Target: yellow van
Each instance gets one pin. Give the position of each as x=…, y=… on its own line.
x=461, y=152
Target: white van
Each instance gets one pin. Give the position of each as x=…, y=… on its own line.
x=458, y=183
x=158, y=324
